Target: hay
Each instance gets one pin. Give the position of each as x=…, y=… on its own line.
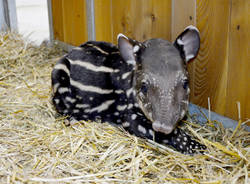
x=36, y=147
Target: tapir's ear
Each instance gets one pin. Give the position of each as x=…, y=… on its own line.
x=188, y=43
x=127, y=47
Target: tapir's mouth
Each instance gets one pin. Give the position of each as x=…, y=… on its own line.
x=161, y=127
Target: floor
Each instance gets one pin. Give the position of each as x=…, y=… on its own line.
x=32, y=19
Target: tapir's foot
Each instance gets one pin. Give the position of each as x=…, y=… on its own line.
x=181, y=142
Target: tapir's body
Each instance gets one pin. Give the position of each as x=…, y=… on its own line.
x=127, y=86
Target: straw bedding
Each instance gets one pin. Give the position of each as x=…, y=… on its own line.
x=36, y=146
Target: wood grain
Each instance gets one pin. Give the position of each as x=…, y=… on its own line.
x=183, y=15
x=103, y=20
x=140, y=19
x=57, y=19
x=239, y=61
x=209, y=70
x=74, y=21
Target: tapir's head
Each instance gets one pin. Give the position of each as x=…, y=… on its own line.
x=160, y=76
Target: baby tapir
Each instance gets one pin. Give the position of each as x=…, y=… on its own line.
x=142, y=87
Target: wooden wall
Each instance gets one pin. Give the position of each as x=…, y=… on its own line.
x=221, y=70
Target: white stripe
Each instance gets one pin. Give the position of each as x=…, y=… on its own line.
x=69, y=99
x=63, y=90
x=55, y=87
x=104, y=106
x=98, y=48
x=62, y=67
x=94, y=89
x=121, y=107
x=92, y=67
x=82, y=106
x=119, y=91
x=125, y=75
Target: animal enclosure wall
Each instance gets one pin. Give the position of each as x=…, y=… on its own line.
x=221, y=70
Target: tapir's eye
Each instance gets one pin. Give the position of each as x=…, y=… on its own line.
x=144, y=88
x=185, y=84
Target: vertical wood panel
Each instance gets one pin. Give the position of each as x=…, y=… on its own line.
x=183, y=15
x=57, y=19
x=74, y=21
x=140, y=19
x=239, y=60
x=209, y=70
x=103, y=20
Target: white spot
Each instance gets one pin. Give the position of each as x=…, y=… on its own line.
x=151, y=132
x=65, y=111
x=126, y=124
x=142, y=129
x=125, y=75
x=188, y=90
x=121, y=107
x=82, y=106
x=181, y=146
x=119, y=91
x=136, y=105
x=184, y=143
x=178, y=140
x=185, y=138
x=129, y=91
x=94, y=89
x=116, y=113
x=130, y=106
x=175, y=132
x=136, y=48
x=91, y=98
x=69, y=99
x=131, y=62
x=62, y=90
x=133, y=117
x=63, y=67
x=78, y=97
x=119, y=121
x=165, y=141
x=92, y=67
x=104, y=106
x=76, y=111
x=85, y=116
x=57, y=101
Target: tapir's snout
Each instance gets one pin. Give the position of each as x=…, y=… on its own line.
x=162, y=127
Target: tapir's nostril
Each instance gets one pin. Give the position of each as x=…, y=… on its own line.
x=160, y=127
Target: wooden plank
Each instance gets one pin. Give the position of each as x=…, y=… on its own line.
x=103, y=20
x=56, y=6
x=183, y=15
x=209, y=70
x=74, y=21
x=239, y=61
x=141, y=19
